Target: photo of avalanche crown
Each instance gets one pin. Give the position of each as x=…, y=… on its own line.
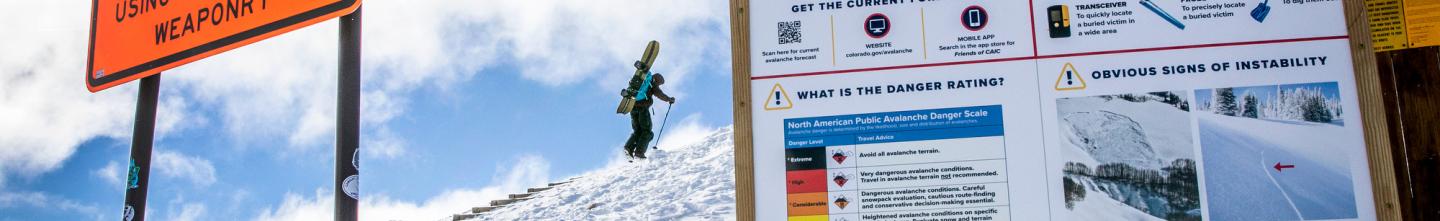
x=1128, y=157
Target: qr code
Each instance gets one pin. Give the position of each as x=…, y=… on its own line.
x=789, y=32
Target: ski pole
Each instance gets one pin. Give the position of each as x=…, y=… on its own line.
x=662, y=125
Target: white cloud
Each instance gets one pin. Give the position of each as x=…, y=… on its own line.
x=45, y=111
x=46, y=202
x=299, y=207
x=432, y=44
x=284, y=88
x=563, y=42
x=179, y=209
x=172, y=114
x=527, y=171
x=382, y=144
x=180, y=166
x=684, y=133
x=188, y=212
x=112, y=174
x=165, y=163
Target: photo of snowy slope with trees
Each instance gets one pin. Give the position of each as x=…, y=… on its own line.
x=1274, y=153
x=1317, y=102
x=1129, y=157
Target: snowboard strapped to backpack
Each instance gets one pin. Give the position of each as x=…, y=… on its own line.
x=639, y=86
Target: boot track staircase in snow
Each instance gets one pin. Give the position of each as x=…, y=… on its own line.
x=514, y=198
x=683, y=182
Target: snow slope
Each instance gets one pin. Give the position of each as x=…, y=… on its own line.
x=1163, y=128
x=1144, y=135
x=694, y=182
x=1243, y=185
x=1103, y=208
x=1110, y=138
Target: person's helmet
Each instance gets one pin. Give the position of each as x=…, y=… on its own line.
x=658, y=79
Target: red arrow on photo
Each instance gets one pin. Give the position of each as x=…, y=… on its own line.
x=1279, y=167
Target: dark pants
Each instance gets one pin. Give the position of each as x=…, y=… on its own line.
x=640, y=121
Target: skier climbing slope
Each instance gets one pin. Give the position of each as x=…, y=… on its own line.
x=644, y=89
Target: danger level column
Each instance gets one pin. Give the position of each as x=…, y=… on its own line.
x=805, y=181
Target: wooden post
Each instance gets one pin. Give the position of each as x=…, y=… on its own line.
x=744, y=143
x=1372, y=112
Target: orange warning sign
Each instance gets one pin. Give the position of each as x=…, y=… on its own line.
x=132, y=39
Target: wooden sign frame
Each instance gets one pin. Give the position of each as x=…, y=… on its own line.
x=1372, y=111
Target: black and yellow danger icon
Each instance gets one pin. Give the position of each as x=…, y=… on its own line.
x=1069, y=79
x=778, y=99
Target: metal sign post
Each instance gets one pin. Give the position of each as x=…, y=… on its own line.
x=347, y=120
x=148, y=37
x=138, y=180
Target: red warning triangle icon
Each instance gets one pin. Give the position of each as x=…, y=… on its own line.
x=840, y=181
x=838, y=157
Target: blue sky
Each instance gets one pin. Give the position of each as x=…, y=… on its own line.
x=462, y=101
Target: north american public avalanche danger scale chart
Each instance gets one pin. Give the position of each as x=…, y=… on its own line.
x=1051, y=110
x=886, y=164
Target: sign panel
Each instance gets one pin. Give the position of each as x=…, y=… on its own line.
x=1422, y=23
x=1053, y=110
x=1399, y=24
x=132, y=39
x=1387, y=24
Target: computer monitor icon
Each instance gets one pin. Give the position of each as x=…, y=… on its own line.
x=877, y=26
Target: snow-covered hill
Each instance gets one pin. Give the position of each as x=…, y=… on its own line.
x=1240, y=154
x=694, y=182
x=1128, y=157
x=1109, y=130
x=1108, y=137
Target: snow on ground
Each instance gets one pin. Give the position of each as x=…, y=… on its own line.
x=692, y=182
x=1073, y=152
x=1239, y=157
x=1098, y=207
x=1166, y=128
x=1110, y=138
x=1319, y=141
x=1141, y=134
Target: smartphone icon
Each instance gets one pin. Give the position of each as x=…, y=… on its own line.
x=1059, y=21
x=974, y=18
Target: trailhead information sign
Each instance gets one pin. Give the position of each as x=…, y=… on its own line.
x=970, y=110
